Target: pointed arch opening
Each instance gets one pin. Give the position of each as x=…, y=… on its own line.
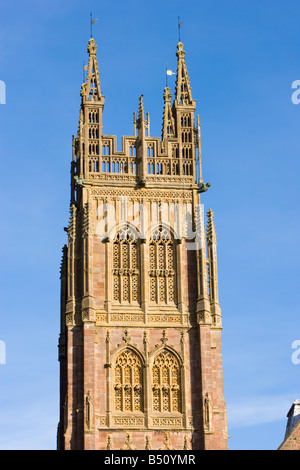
x=126, y=266
x=162, y=263
x=166, y=383
x=128, y=382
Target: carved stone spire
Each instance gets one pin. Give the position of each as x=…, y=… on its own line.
x=143, y=132
x=141, y=117
x=168, y=129
x=183, y=87
x=211, y=231
x=91, y=90
x=89, y=139
x=183, y=111
x=142, y=123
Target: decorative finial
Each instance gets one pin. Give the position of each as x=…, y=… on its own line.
x=185, y=443
x=109, y=443
x=164, y=338
x=141, y=107
x=92, y=47
x=147, y=443
x=167, y=443
x=126, y=338
x=180, y=52
x=128, y=443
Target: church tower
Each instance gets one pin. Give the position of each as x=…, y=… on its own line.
x=140, y=342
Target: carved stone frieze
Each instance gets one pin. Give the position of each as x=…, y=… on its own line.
x=128, y=421
x=125, y=317
x=174, y=196
x=163, y=318
x=172, y=422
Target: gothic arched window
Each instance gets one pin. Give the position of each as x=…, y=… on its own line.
x=162, y=267
x=126, y=283
x=128, y=382
x=166, y=382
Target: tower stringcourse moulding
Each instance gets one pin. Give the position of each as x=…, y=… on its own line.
x=140, y=337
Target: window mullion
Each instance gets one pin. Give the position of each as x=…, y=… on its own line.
x=132, y=390
x=165, y=274
x=160, y=390
x=156, y=272
x=122, y=390
x=129, y=263
x=169, y=389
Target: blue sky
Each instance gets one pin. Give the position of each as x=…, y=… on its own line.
x=242, y=59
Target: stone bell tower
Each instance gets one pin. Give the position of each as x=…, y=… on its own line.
x=140, y=342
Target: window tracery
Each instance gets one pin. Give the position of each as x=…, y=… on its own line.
x=128, y=387
x=166, y=383
x=126, y=282
x=162, y=267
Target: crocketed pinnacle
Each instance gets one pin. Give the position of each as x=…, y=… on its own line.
x=210, y=229
x=183, y=86
x=141, y=109
x=72, y=222
x=63, y=266
x=180, y=52
x=92, y=47
x=90, y=90
x=168, y=129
